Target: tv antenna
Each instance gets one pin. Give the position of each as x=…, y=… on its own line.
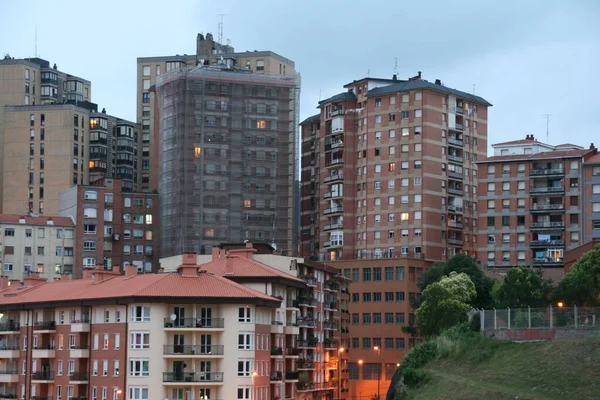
x=396, y=65
x=220, y=34
x=36, y=53
x=547, y=116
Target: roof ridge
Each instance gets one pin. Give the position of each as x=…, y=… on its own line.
x=239, y=286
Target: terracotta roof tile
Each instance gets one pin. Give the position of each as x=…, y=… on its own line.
x=517, y=142
x=538, y=156
x=41, y=220
x=245, y=267
x=595, y=159
x=204, y=285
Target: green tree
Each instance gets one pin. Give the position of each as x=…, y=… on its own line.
x=465, y=264
x=581, y=286
x=445, y=303
x=523, y=287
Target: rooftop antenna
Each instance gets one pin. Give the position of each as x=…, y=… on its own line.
x=220, y=37
x=368, y=72
x=547, y=116
x=473, y=89
x=36, y=53
x=396, y=65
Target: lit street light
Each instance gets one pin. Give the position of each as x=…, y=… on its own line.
x=340, y=351
x=378, y=350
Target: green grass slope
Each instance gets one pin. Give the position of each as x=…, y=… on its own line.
x=562, y=369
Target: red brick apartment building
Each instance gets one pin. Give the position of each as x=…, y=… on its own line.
x=536, y=202
x=389, y=186
x=113, y=226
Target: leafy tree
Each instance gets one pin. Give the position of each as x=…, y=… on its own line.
x=523, y=287
x=581, y=286
x=445, y=303
x=465, y=264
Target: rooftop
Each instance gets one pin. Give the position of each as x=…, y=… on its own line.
x=539, y=156
x=16, y=219
x=345, y=96
x=314, y=118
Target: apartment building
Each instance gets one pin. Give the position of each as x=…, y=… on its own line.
x=53, y=137
x=389, y=181
x=310, y=330
x=536, y=202
x=182, y=335
x=36, y=245
x=114, y=226
x=208, y=52
x=226, y=158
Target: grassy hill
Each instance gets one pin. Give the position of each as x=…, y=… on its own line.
x=490, y=370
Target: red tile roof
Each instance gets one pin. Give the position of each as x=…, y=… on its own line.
x=245, y=267
x=173, y=285
x=595, y=159
x=538, y=156
x=41, y=220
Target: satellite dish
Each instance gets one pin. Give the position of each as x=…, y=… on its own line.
x=173, y=317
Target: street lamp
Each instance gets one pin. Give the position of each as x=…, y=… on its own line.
x=378, y=350
x=340, y=351
x=119, y=391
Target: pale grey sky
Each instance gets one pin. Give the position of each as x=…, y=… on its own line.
x=527, y=57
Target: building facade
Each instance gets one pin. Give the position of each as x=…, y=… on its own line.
x=182, y=335
x=226, y=158
x=536, y=202
x=36, y=245
x=389, y=186
x=208, y=51
x=115, y=227
x=310, y=330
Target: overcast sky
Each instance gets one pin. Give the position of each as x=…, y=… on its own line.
x=527, y=57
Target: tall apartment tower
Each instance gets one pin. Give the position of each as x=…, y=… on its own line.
x=389, y=184
x=208, y=52
x=226, y=157
x=537, y=201
x=52, y=137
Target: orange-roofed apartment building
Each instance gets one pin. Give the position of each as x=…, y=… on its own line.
x=308, y=343
x=536, y=202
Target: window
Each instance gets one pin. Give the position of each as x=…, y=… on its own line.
x=243, y=393
x=246, y=341
x=140, y=340
x=139, y=393
x=140, y=313
x=115, y=367
x=418, y=114
x=139, y=367
x=245, y=314
x=366, y=274
x=366, y=319
x=244, y=367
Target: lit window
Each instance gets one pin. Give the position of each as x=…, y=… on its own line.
x=148, y=219
x=197, y=151
x=404, y=216
x=261, y=124
x=209, y=232
x=247, y=203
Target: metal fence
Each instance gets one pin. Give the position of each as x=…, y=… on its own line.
x=540, y=318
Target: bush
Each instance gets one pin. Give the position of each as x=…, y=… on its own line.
x=414, y=376
x=475, y=323
x=420, y=355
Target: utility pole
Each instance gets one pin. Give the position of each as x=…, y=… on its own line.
x=547, y=116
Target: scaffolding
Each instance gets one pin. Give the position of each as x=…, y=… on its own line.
x=227, y=158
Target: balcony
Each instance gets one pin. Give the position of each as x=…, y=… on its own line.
x=548, y=262
x=547, y=189
x=195, y=324
x=455, y=142
x=7, y=396
x=311, y=281
x=276, y=376
x=458, y=126
x=455, y=175
x=458, y=110
x=331, y=227
x=292, y=352
x=306, y=302
x=42, y=376
x=43, y=352
x=547, y=225
x=306, y=344
x=335, y=113
x=306, y=323
x=292, y=375
x=330, y=306
x=457, y=192
x=304, y=364
x=455, y=225
x=335, y=177
x=277, y=352
x=44, y=326
x=547, y=243
x=192, y=377
x=8, y=351
x=331, y=287
x=455, y=159
x=455, y=242
x=291, y=303
x=330, y=326
x=82, y=352
x=455, y=209
x=79, y=377
x=333, y=210
x=546, y=172
x=335, y=162
x=547, y=207
x=80, y=325
x=333, y=243
x=291, y=328
x=334, y=145
x=10, y=326
x=9, y=376
x=190, y=351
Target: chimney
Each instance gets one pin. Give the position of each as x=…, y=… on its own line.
x=229, y=265
x=216, y=253
x=245, y=252
x=100, y=274
x=394, y=77
x=130, y=271
x=34, y=279
x=592, y=147
x=438, y=82
x=4, y=282
x=87, y=273
x=419, y=74
x=189, y=259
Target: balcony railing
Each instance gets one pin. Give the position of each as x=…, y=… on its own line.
x=334, y=177
x=292, y=351
x=456, y=142
x=42, y=376
x=455, y=175
x=311, y=281
x=457, y=192
x=276, y=376
x=456, y=242
x=292, y=303
x=305, y=302
x=192, y=377
x=547, y=189
x=546, y=243
x=206, y=323
x=305, y=323
x=336, y=161
x=331, y=326
x=455, y=158
x=455, y=209
x=546, y=171
x=459, y=126
x=459, y=110
x=547, y=207
x=335, y=113
x=79, y=376
x=277, y=351
x=8, y=372
x=310, y=344
x=333, y=226
x=292, y=375
x=10, y=327
x=548, y=261
x=333, y=210
x=190, y=350
x=454, y=224
x=547, y=224
x=44, y=325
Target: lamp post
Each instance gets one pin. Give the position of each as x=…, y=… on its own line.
x=378, y=350
x=340, y=351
